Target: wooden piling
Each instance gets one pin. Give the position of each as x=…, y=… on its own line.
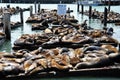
x=38, y=7
x=60, y=2
x=105, y=17
x=35, y=7
x=65, y=17
x=109, y=4
x=78, y=7
x=82, y=9
x=8, y=6
x=21, y=15
x=119, y=46
x=31, y=10
x=90, y=11
x=7, y=28
x=57, y=18
x=68, y=11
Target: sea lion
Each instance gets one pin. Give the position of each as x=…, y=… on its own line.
x=64, y=51
x=1, y=67
x=15, y=60
x=100, y=62
x=108, y=39
x=42, y=66
x=8, y=55
x=20, y=53
x=110, y=31
x=29, y=65
x=42, y=62
x=47, y=31
x=58, y=66
x=84, y=24
x=34, y=19
x=96, y=33
x=36, y=70
x=42, y=26
x=24, y=40
x=1, y=71
x=2, y=35
x=35, y=52
x=110, y=48
x=11, y=70
x=115, y=57
x=91, y=48
x=19, y=42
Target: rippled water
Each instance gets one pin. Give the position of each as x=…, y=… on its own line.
x=26, y=29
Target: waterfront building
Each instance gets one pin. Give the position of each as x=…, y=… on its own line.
x=41, y=1
x=90, y=2
x=99, y=2
x=112, y=2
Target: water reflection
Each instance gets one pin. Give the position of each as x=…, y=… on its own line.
x=6, y=47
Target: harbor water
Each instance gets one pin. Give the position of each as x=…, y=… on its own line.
x=26, y=29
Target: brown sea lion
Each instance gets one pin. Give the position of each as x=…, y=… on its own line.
x=1, y=67
x=58, y=66
x=8, y=55
x=29, y=65
x=115, y=57
x=100, y=62
x=42, y=62
x=36, y=70
x=110, y=48
x=2, y=34
x=108, y=39
x=47, y=31
x=96, y=33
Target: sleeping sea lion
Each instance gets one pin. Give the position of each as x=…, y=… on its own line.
x=62, y=67
x=29, y=65
x=91, y=48
x=101, y=62
x=110, y=48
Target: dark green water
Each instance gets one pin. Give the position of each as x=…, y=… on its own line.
x=6, y=47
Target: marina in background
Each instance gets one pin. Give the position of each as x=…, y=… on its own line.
x=85, y=2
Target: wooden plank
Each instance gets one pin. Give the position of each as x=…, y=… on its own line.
x=93, y=72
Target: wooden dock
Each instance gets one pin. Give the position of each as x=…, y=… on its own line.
x=112, y=72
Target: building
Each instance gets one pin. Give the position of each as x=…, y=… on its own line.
x=112, y=2
x=41, y=1
x=99, y=2
x=90, y=2
x=85, y=2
